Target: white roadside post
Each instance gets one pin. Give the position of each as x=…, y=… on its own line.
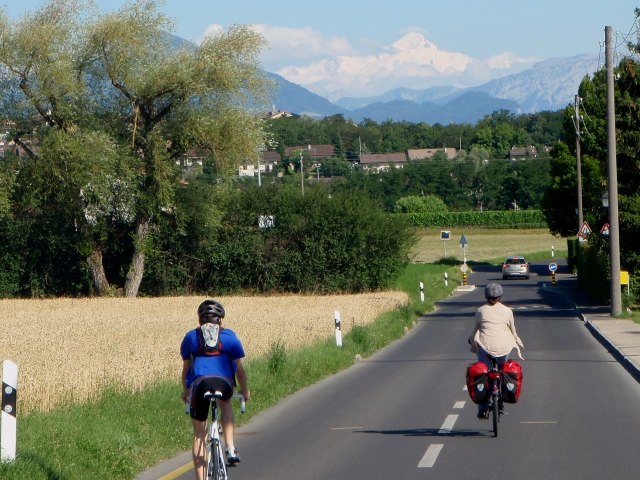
x=422, y=292
x=336, y=317
x=8, y=422
x=552, y=251
x=446, y=279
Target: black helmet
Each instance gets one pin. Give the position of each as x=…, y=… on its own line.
x=493, y=290
x=211, y=307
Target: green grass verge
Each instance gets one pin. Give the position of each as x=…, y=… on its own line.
x=122, y=434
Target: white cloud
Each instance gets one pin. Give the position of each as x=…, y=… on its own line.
x=412, y=62
x=288, y=46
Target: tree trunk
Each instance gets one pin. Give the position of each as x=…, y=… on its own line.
x=136, y=270
x=96, y=269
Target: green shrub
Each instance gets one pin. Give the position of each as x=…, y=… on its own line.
x=276, y=357
x=420, y=204
x=497, y=218
x=572, y=255
x=321, y=242
x=593, y=272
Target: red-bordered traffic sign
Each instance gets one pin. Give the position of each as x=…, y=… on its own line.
x=585, y=230
x=605, y=229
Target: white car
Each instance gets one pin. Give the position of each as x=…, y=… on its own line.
x=515, y=267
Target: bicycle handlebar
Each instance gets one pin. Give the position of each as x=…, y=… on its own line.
x=243, y=402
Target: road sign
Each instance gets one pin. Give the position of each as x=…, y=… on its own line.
x=463, y=241
x=585, y=230
x=464, y=268
x=624, y=277
x=445, y=235
x=553, y=267
x=605, y=230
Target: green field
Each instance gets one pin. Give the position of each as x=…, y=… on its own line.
x=487, y=244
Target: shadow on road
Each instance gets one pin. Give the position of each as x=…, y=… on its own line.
x=430, y=432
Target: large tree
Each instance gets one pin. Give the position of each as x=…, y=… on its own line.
x=105, y=105
x=562, y=196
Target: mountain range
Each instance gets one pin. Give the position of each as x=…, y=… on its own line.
x=548, y=85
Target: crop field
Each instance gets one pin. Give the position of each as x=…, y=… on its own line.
x=71, y=350
x=485, y=243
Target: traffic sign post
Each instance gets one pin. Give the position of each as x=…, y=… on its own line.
x=625, y=280
x=444, y=236
x=584, y=231
x=552, y=268
x=463, y=245
x=464, y=270
x=422, y=292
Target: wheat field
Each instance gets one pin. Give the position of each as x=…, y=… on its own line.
x=71, y=350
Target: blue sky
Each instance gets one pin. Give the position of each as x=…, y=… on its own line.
x=302, y=33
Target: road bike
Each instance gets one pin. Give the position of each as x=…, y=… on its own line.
x=495, y=400
x=216, y=460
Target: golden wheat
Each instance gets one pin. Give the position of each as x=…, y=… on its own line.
x=70, y=350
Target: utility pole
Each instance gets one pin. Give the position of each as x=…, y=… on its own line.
x=614, y=227
x=318, y=171
x=301, y=173
x=259, y=181
x=578, y=164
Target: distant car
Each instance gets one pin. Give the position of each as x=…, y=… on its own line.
x=515, y=267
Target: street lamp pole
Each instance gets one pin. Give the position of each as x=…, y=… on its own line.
x=614, y=227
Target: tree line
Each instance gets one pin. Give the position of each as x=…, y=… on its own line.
x=496, y=133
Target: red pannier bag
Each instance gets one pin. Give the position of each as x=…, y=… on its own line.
x=478, y=382
x=511, y=381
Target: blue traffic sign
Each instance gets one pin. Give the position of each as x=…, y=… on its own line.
x=553, y=267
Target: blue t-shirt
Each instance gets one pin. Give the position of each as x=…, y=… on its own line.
x=218, y=365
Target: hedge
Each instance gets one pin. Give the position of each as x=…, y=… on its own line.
x=593, y=271
x=494, y=218
x=321, y=243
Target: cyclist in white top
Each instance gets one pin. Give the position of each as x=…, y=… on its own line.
x=494, y=334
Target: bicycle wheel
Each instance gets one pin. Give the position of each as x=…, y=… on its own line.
x=496, y=416
x=216, y=469
x=211, y=462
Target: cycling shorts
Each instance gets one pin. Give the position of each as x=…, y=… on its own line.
x=199, y=405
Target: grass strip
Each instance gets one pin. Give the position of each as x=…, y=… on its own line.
x=124, y=433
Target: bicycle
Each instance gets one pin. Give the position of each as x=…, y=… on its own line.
x=495, y=384
x=216, y=461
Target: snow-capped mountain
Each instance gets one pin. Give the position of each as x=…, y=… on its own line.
x=548, y=85
x=412, y=61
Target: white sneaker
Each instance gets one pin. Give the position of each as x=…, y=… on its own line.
x=232, y=456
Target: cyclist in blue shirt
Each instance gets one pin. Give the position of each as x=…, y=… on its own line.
x=209, y=369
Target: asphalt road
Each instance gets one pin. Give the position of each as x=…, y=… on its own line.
x=398, y=414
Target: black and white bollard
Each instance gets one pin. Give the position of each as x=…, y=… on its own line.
x=8, y=422
x=552, y=251
x=422, y=292
x=336, y=317
x=446, y=279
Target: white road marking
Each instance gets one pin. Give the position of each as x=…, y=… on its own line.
x=431, y=455
x=448, y=424
x=459, y=404
x=465, y=389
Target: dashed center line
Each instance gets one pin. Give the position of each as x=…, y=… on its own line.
x=459, y=404
x=448, y=424
x=465, y=389
x=431, y=455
